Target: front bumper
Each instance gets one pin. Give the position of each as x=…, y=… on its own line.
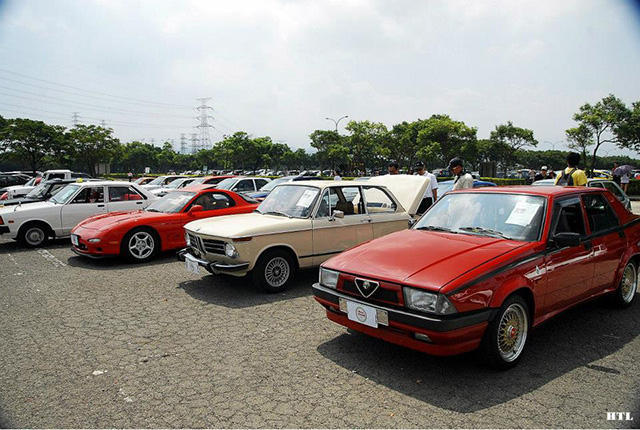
x=212, y=266
x=95, y=250
x=448, y=335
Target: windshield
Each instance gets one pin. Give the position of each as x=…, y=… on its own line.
x=271, y=185
x=171, y=203
x=31, y=182
x=510, y=216
x=65, y=194
x=176, y=183
x=157, y=181
x=226, y=184
x=291, y=201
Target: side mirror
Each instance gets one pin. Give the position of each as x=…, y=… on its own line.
x=195, y=209
x=337, y=214
x=566, y=239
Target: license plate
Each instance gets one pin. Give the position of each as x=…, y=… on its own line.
x=191, y=264
x=363, y=314
x=74, y=239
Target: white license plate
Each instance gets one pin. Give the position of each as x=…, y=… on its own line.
x=74, y=239
x=191, y=264
x=363, y=314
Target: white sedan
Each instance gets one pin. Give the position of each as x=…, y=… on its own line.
x=33, y=223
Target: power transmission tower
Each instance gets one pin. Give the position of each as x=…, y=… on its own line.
x=183, y=143
x=194, y=143
x=204, y=127
x=75, y=118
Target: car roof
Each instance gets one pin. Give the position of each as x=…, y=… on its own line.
x=551, y=190
x=200, y=187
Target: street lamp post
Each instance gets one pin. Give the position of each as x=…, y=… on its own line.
x=338, y=121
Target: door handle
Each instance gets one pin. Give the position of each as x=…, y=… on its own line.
x=365, y=220
x=138, y=203
x=100, y=206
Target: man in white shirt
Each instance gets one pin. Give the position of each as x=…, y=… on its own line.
x=431, y=193
x=461, y=180
x=337, y=176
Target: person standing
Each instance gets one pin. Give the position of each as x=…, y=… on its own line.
x=431, y=193
x=616, y=177
x=462, y=180
x=393, y=168
x=130, y=175
x=542, y=175
x=624, y=182
x=572, y=176
x=337, y=176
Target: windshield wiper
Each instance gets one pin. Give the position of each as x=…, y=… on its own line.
x=152, y=210
x=435, y=228
x=277, y=213
x=484, y=231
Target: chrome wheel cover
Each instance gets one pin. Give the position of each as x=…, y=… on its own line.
x=276, y=272
x=629, y=283
x=141, y=245
x=512, y=332
x=34, y=236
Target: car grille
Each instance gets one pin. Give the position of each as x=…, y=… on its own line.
x=210, y=246
x=382, y=294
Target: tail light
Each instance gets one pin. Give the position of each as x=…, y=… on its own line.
x=1, y=222
x=5, y=196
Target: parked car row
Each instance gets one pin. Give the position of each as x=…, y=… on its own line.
x=478, y=270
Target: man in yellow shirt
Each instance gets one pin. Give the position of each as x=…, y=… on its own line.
x=572, y=176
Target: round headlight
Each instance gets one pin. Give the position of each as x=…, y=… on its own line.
x=230, y=250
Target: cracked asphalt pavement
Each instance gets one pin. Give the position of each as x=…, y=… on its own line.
x=108, y=344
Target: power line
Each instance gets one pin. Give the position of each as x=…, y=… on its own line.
x=93, y=92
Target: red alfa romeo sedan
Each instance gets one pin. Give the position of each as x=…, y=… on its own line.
x=138, y=236
x=484, y=266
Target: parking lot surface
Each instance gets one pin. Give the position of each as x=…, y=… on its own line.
x=109, y=344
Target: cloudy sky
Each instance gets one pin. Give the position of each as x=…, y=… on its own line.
x=279, y=68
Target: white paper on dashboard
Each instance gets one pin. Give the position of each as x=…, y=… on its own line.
x=522, y=213
x=306, y=198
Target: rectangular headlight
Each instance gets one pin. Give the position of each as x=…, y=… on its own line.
x=328, y=278
x=427, y=302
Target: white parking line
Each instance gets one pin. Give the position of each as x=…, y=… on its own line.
x=51, y=258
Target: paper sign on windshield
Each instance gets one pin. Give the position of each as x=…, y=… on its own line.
x=522, y=213
x=307, y=198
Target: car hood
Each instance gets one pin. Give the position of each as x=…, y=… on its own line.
x=22, y=200
x=36, y=206
x=115, y=219
x=421, y=258
x=247, y=225
x=408, y=189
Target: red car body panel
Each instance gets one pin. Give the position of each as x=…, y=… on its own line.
x=477, y=273
x=112, y=227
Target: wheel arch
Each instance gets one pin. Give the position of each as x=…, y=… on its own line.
x=279, y=247
x=522, y=290
x=153, y=231
x=42, y=222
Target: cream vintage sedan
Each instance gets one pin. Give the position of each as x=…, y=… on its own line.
x=300, y=225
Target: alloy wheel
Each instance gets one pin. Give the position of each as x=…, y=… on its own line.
x=512, y=332
x=141, y=245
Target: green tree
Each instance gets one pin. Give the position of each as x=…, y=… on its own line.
x=601, y=123
x=32, y=141
x=442, y=138
x=331, y=148
x=365, y=141
x=580, y=140
x=514, y=138
x=628, y=132
x=92, y=144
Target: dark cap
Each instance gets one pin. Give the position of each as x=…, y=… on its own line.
x=455, y=162
x=419, y=165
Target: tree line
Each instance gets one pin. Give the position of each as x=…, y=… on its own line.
x=365, y=146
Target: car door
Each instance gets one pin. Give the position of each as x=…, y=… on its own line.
x=243, y=185
x=332, y=234
x=124, y=198
x=608, y=242
x=569, y=270
x=87, y=202
x=383, y=211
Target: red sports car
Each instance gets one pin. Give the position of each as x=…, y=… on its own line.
x=140, y=235
x=484, y=266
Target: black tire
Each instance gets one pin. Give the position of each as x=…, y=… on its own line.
x=505, y=339
x=627, y=290
x=34, y=234
x=140, y=245
x=273, y=271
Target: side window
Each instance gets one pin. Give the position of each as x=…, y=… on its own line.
x=378, y=201
x=347, y=200
x=213, y=201
x=260, y=183
x=56, y=176
x=55, y=188
x=596, y=185
x=121, y=194
x=244, y=185
x=90, y=195
x=324, y=210
x=616, y=190
x=570, y=219
x=599, y=213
